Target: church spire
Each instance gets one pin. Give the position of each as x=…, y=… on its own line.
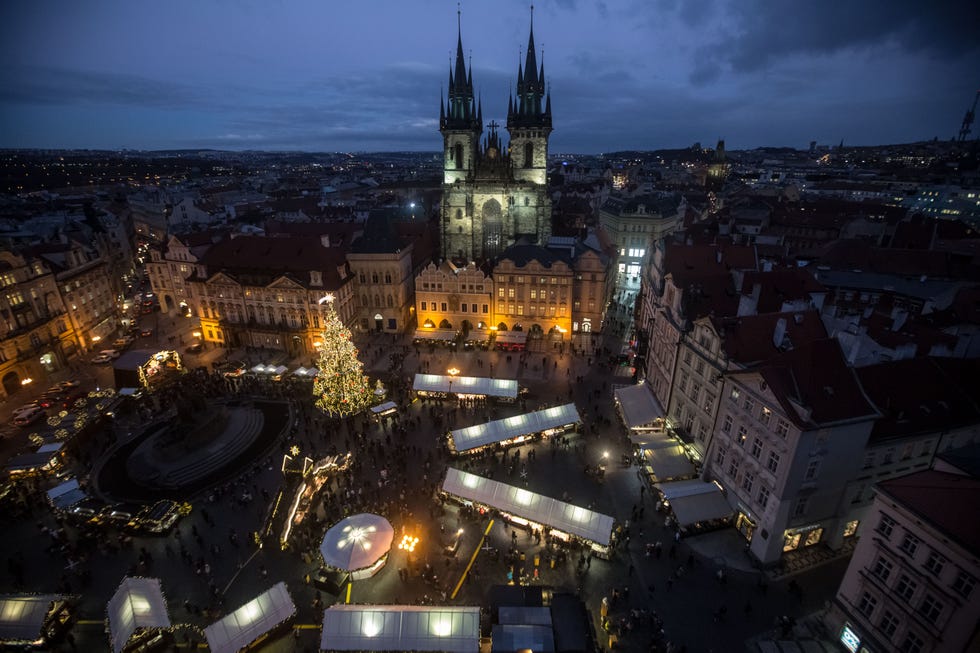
x=461, y=112
x=530, y=104
x=530, y=65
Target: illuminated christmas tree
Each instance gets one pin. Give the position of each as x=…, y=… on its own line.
x=340, y=389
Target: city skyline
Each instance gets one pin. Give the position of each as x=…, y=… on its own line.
x=336, y=77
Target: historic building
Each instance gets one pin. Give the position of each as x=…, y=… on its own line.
x=494, y=194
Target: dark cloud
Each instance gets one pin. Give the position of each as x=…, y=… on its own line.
x=59, y=86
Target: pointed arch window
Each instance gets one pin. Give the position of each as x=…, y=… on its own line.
x=529, y=155
x=458, y=155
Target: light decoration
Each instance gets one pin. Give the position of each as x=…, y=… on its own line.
x=408, y=543
x=294, y=450
x=341, y=389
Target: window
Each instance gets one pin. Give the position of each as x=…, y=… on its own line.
x=699, y=367
x=909, y=545
x=695, y=391
x=444, y=307
x=687, y=357
x=500, y=291
x=912, y=643
x=931, y=608
x=747, y=482
x=886, y=526
x=733, y=467
x=734, y=395
x=773, y=463
x=782, y=428
x=851, y=528
x=801, y=506
x=963, y=585
x=756, y=448
x=709, y=402
x=867, y=605
x=423, y=306
x=741, y=436
x=720, y=457
x=935, y=563
x=765, y=415
x=763, y=497
x=888, y=624
x=812, y=469
x=682, y=385
x=905, y=587
x=748, y=404
x=726, y=425
x=882, y=569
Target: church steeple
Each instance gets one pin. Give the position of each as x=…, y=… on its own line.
x=461, y=110
x=530, y=108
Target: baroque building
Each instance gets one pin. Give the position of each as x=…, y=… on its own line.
x=493, y=194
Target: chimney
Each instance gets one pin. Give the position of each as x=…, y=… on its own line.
x=779, y=333
x=718, y=256
x=325, y=240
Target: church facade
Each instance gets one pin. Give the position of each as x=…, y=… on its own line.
x=494, y=193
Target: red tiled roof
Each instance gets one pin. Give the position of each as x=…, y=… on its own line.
x=270, y=256
x=688, y=263
x=748, y=340
x=781, y=285
x=816, y=376
x=944, y=500
x=919, y=395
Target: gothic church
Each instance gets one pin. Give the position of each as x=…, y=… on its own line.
x=494, y=194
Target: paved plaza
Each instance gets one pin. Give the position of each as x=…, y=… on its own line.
x=209, y=565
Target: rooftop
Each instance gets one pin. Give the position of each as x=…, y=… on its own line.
x=944, y=500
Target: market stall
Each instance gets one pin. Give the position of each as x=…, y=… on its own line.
x=33, y=620
x=437, y=385
x=638, y=408
x=66, y=494
x=529, y=509
x=253, y=623
x=137, y=612
x=515, y=430
x=435, y=336
x=358, y=544
x=453, y=629
x=697, y=505
x=510, y=340
x=385, y=409
x=147, y=368
x=662, y=457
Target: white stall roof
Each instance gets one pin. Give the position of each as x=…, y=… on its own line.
x=51, y=447
x=640, y=407
x=435, y=334
x=259, y=369
x=695, y=500
x=138, y=603
x=386, y=406
x=499, y=430
x=511, y=337
x=249, y=622
x=592, y=526
x=471, y=385
x=66, y=494
x=22, y=616
x=401, y=628
x=669, y=461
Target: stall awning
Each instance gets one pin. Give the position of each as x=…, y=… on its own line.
x=446, y=335
x=669, y=462
x=639, y=407
x=383, y=408
x=22, y=617
x=138, y=603
x=589, y=525
x=511, y=337
x=401, y=628
x=470, y=385
x=500, y=430
x=66, y=494
x=695, y=500
x=249, y=622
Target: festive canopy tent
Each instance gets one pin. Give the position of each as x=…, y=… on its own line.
x=511, y=337
x=385, y=408
x=453, y=629
x=66, y=494
x=258, y=369
x=249, y=622
x=639, y=408
x=138, y=603
x=23, y=617
x=695, y=500
x=445, y=335
x=470, y=385
x=501, y=430
x=663, y=455
x=565, y=517
x=357, y=544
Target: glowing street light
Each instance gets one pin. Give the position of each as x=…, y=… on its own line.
x=408, y=543
x=453, y=371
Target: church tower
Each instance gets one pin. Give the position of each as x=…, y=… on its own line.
x=492, y=194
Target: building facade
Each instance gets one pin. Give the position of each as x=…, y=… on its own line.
x=450, y=297
x=493, y=195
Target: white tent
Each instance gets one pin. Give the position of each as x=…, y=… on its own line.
x=446, y=335
x=471, y=385
x=65, y=495
x=259, y=369
x=453, y=629
x=138, y=603
x=357, y=542
x=499, y=430
x=278, y=369
x=384, y=408
x=589, y=525
x=695, y=500
x=639, y=407
x=249, y=622
x=511, y=337
x=22, y=617
x=663, y=455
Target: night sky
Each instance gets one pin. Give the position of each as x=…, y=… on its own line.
x=366, y=75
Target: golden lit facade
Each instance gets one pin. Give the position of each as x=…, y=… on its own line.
x=450, y=297
x=533, y=295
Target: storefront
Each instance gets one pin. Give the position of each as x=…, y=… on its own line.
x=514, y=430
x=563, y=521
x=799, y=538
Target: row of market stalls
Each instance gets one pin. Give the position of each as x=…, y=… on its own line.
x=138, y=619
x=453, y=629
x=566, y=522
x=436, y=385
x=483, y=338
x=514, y=430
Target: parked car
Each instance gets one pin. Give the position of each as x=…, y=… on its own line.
x=66, y=385
x=25, y=408
x=111, y=353
x=146, y=333
x=28, y=417
x=51, y=398
x=102, y=358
